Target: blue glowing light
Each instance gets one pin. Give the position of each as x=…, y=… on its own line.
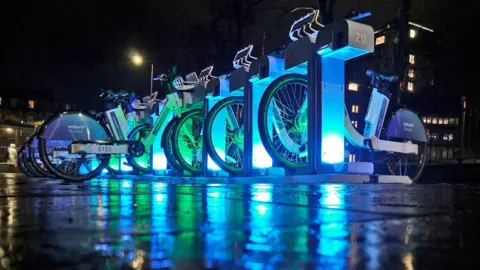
x=261, y=158
x=126, y=184
x=212, y=166
x=159, y=161
x=332, y=149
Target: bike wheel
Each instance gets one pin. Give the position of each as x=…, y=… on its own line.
x=21, y=161
x=34, y=156
x=143, y=162
x=55, y=138
x=227, y=154
x=282, y=120
x=187, y=141
x=401, y=164
x=167, y=138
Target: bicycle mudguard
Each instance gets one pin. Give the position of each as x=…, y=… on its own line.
x=406, y=125
x=73, y=125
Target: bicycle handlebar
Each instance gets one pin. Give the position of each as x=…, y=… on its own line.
x=377, y=76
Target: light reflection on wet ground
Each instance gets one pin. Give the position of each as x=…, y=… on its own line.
x=139, y=224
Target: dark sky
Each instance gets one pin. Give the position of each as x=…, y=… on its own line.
x=77, y=47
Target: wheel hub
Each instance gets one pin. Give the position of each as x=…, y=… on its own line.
x=136, y=149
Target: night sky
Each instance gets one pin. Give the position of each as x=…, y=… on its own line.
x=77, y=48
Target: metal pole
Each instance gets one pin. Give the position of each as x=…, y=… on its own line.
x=151, y=79
x=462, y=136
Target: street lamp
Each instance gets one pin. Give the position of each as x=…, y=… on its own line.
x=137, y=60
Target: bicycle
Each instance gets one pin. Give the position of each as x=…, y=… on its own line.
x=405, y=142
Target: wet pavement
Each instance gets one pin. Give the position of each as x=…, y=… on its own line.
x=125, y=223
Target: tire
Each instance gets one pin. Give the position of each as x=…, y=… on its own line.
x=69, y=169
x=33, y=154
x=139, y=133
x=167, y=138
x=413, y=165
x=178, y=135
x=274, y=147
x=209, y=137
x=22, y=163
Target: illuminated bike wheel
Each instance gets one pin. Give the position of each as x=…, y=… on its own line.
x=410, y=165
x=56, y=137
x=114, y=164
x=167, y=144
x=188, y=141
x=282, y=120
x=34, y=157
x=227, y=118
x=143, y=162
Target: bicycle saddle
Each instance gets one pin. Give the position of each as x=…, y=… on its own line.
x=377, y=76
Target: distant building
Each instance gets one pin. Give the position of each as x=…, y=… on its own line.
x=419, y=90
x=21, y=110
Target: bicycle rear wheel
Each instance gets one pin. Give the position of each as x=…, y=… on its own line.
x=188, y=142
x=35, y=160
x=167, y=141
x=21, y=161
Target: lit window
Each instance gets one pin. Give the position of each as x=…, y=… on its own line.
x=434, y=120
x=354, y=108
x=456, y=121
x=31, y=104
x=440, y=121
x=13, y=102
x=67, y=106
x=411, y=73
x=380, y=40
x=429, y=120
x=445, y=137
x=353, y=87
x=451, y=121
x=434, y=136
x=445, y=121
x=351, y=158
x=450, y=137
x=413, y=33
x=424, y=119
x=410, y=86
x=411, y=59
x=0, y=100
x=355, y=123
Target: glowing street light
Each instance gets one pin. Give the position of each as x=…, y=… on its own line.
x=137, y=60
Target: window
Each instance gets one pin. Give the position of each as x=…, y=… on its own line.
x=67, y=106
x=413, y=33
x=434, y=120
x=0, y=100
x=424, y=119
x=355, y=123
x=456, y=121
x=434, y=136
x=353, y=87
x=354, y=108
x=451, y=121
x=31, y=104
x=440, y=121
x=450, y=137
x=410, y=86
x=13, y=102
x=429, y=120
x=411, y=73
x=445, y=136
x=411, y=59
x=351, y=158
x=380, y=40
x=445, y=121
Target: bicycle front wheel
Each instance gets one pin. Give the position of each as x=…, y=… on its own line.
x=224, y=137
x=187, y=141
x=57, y=135
x=282, y=120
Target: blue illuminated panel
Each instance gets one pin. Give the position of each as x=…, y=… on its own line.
x=333, y=100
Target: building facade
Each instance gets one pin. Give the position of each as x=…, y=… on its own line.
x=419, y=91
x=21, y=110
